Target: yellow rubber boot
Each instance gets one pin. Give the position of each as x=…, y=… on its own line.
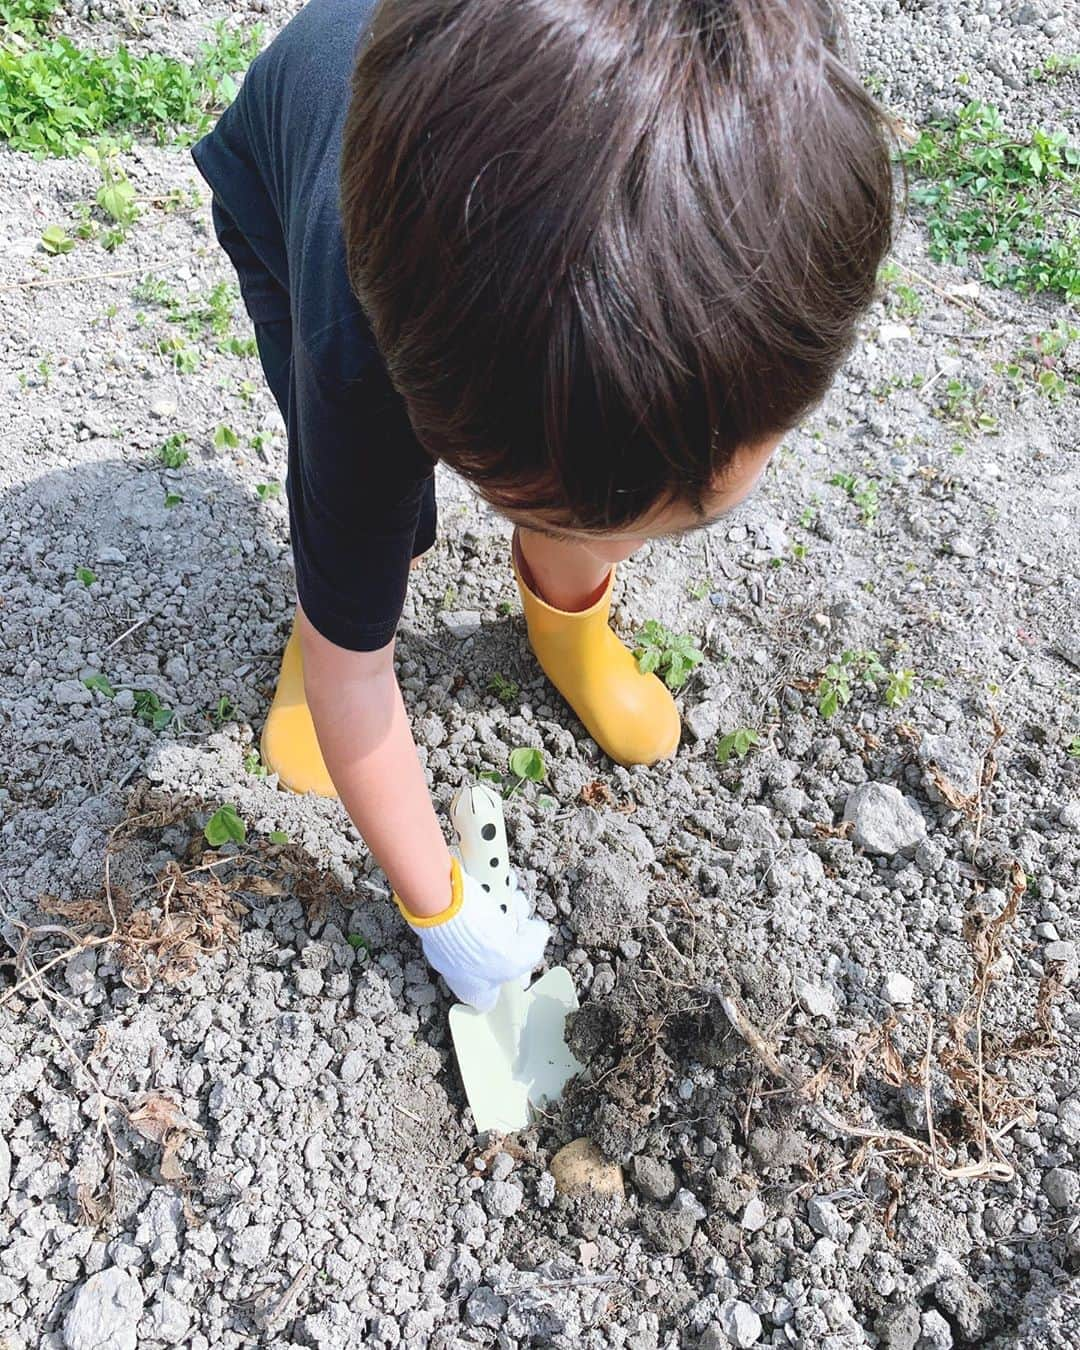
x=289, y=746
x=632, y=717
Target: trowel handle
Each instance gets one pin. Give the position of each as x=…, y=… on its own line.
x=477, y=816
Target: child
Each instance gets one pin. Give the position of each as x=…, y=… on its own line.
x=597, y=256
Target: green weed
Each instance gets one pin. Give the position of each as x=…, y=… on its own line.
x=526, y=766
x=1053, y=66
x=506, y=691
x=225, y=438
x=672, y=656
x=854, y=668
x=1043, y=361
x=55, y=239
x=862, y=491
x=149, y=709
x=101, y=684
x=222, y=711
x=55, y=96
x=1005, y=207
x=267, y=492
x=172, y=453
x=1074, y=748
x=961, y=406
x=253, y=764
x=225, y=825
x=737, y=744
x=280, y=837
x=85, y=575
x=173, y=499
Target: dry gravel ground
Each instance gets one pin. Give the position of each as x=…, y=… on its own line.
x=227, y=1124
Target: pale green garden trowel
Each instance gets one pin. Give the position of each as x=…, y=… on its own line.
x=514, y=1058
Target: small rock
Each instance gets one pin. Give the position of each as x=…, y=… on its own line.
x=703, y=719
x=826, y=1220
x=502, y=1198
x=162, y=408
x=5, y=1171
x=105, y=1313
x=580, y=1167
x=898, y=990
x=885, y=820
x=484, y=1307
x=1065, y=952
x=251, y=1245
x=936, y=1332
x=741, y=1324
x=462, y=623
x=957, y=762
x=653, y=1178
x=1061, y=1187
x=900, y=1327
x=893, y=332
x=170, y=1319
x=815, y=1000
x=962, y=546
x=754, y=1218
x=353, y=1067
x=1069, y=816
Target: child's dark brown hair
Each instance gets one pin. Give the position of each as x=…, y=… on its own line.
x=603, y=244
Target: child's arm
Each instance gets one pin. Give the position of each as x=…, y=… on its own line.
x=369, y=751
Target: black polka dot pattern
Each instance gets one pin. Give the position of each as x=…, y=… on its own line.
x=488, y=832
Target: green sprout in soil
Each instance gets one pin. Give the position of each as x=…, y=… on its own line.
x=100, y=684
x=526, y=766
x=253, y=764
x=277, y=836
x=55, y=239
x=862, y=491
x=222, y=711
x=1074, y=748
x=173, y=499
x=672, y=656
x=1005, y=206
x=225, y=438
x=172, y=453
x=267, y=492
x=961, y=406
x=224, y=826
x=85, y=575
x=506, y=691
x=149, y=709
x=737, y=744
x=56, y=95
x=835, y=686
x=1047, y=362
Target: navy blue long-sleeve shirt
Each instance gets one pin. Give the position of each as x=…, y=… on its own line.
x=359, y=485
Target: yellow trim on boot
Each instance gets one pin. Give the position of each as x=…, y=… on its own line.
x=457, y=895
x=631, y=716
x=289, y=746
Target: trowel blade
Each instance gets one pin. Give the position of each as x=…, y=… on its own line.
x=515, y=1055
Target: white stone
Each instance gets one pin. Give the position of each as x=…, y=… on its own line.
x=462, y=623
x=885, y=820
x=105, y=1313
x=742, y=1325
x=893, y=332
x=815, y=999
x=754, y=1217
x=898, y=989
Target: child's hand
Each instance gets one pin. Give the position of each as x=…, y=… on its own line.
x=476, y=944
